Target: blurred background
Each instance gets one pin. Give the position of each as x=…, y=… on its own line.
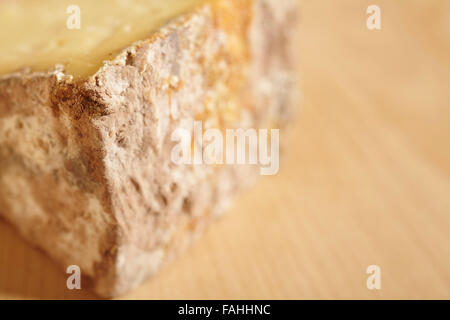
x=365, y=178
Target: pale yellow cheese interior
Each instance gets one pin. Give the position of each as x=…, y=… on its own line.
x=34, y=33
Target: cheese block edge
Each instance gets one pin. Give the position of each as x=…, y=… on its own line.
x=85, y=171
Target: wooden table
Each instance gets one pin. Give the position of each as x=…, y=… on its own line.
x=365, y=179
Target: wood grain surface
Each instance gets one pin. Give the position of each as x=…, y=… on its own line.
x=365, y=178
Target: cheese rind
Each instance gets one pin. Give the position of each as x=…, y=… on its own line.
x=86, y=172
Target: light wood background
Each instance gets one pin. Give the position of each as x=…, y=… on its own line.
x=365, y=178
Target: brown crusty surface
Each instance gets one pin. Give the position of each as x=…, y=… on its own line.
x=85, y=169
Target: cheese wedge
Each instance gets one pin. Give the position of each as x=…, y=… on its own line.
x=87, y=117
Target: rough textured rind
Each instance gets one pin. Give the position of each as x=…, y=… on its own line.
x=85, y=169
